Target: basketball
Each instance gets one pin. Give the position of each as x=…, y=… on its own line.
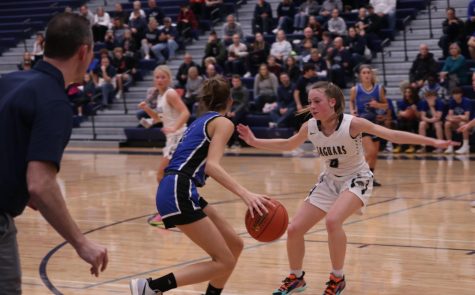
x=270, y=226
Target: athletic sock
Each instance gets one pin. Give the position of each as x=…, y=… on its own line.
x=297, y=272
x=213, y=291
x=164, y=283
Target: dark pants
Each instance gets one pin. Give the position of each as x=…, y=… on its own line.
x=10, y=273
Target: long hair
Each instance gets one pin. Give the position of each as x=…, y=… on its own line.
x=214, y=94
x=331, y=91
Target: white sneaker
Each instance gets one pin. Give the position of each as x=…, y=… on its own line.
x=147, y=123
x=449, y=150
x=141, y=287
x=465, y=149
x=118, y=95
x=272, y=124
x=274, y=31
x=247, y=75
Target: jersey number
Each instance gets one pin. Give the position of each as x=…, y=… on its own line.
x=334, y=163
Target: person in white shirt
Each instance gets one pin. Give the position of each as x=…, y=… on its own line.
x=386, y=9
x=281, y=48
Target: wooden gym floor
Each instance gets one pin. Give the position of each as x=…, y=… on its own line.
x=416, y=237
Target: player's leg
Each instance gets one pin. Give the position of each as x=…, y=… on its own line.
x=234, y=242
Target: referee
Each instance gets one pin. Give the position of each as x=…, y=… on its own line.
x=35, y=126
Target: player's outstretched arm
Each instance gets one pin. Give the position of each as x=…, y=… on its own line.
x=220, y=130
x=360, y=125
x=45, y=195
x=277, y=144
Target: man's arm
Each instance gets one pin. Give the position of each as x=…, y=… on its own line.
x=46, y=196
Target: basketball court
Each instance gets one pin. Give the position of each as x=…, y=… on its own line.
x=417, y=235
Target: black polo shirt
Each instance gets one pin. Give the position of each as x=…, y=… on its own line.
x=35, y=125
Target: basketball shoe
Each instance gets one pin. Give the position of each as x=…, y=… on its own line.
x=291, y=284
x=335, y=285
x=141, y=287
x=156, y=220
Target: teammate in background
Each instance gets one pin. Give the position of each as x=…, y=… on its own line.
x=344, y=186
x=198, y=155
x=368, y=100
x=173, y=113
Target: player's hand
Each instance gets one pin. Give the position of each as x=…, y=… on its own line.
x=257, y=203
x=463, y=128
x=245, y=134
x=94, y=254
x=443, y=144
x=373, y=103
x=142, y=105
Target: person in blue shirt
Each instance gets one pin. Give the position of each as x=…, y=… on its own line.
x=407, y=116
x=430, y=111
x=197, y=156
x=459, y=114
x=35, y=126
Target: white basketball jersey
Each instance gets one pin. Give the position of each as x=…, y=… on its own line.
x=343, y=154
x=167, y=113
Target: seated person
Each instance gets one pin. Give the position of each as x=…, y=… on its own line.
x=430, y=110
x=459, y=114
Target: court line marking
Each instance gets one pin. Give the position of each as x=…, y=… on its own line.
x=53, y=289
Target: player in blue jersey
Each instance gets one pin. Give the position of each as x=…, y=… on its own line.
x=368, y=100
x=198, y=155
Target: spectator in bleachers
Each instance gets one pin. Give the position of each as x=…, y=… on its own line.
x=125, y=69
x=86, y=13
x=38, y=47
x=182, y=73
x=149, y=43
x=215, y=48
x=273, y=66
x=102, y=22
x=305, y=51
x=305, y=10
x=281, y=48
x=453, y=31
x=422, y=67
x=362, y=20
x=109, y=40
x=459, y=114
x=104, y=78
x=137, y=9
x=155, y=11
x=187, y=24
x=372, y=27
x=430, y=110
x=119, y=13
x=265, y=87
x=407, y=116
x=285, y=16
x=454, y=72
x=119, y=28
x=258, y=52
x=129, y=46
x=356, y=45
x=193, y=84
x=308, y=35
x=239, y=109
x=315, y=26
x=68, y=9
x=340, y=63
x=230, y=28
x=212, y=61
x=138, y=25
x=320, y=65
x=262, y=20
x=325, y=45
x=431, y=85
x=237, y=54
x=198, y=7
x=471, y=18
x=292, y=69
x=327, y=8
x=471, y=45
x=27, y=62
x=284, y=112
x=300, y=93
x=168, y=37
x=386, y=9
x=336, y=25
x=211, y=71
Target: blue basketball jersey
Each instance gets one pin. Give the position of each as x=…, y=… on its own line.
x=190, y=155
x=363, y=98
